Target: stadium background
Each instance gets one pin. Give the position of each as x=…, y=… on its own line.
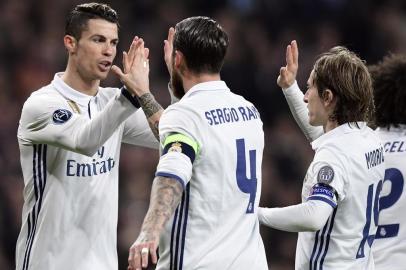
x=31, y=51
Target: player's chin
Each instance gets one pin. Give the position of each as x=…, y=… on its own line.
x=101, y=75
x=313, y=122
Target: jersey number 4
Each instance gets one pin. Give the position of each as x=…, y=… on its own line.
x=246, y=185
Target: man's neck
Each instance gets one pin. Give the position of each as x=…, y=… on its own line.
x=330, y=125
x=79, y=83
x=191, y=80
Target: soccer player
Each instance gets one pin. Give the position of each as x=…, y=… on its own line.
x=338, y=216
x=69, y=136
x=389, y=83
x=204, y=198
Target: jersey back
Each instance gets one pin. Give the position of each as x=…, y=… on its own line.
x=216, y=224
x=389, y=247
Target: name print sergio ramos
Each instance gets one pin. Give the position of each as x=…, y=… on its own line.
x=230, y=115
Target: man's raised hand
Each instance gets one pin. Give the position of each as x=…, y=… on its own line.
x=287, y=75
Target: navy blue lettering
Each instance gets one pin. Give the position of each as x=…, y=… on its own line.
x=111, y=163
x=81, y=168
x=235, y=114
x=89, y=169
x=251, y=114
x=103, y=168
x=227, y=116
x=68, y=167
x=400, y=149
x=255, y=111
x=214, y=117
x=394, y=144
x=100, y=152
x=220, y=115
x=94, y=166
x=374, y=157
x=386, y=146
x=207, y=114
x=243, y=113
x=230, y=115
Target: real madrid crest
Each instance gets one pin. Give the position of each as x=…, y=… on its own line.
x=175, y=147
x=325, y=175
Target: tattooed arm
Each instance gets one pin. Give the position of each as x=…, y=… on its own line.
x=166, y=194
x=153, y=111
x=135, y=78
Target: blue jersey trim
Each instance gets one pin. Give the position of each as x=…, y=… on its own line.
x=175, y=218
x=328, y=238
x=322, y=248
x=178, y=232
x=187, y=194
x=319, y=198
x=170, y=175
x=39, y=181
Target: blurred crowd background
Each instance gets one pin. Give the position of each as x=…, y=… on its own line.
x=31, y=51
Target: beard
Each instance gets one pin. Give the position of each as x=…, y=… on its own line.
x=177, y=85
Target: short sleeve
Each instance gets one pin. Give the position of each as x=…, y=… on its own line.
x=178, y=118
x=180, y=143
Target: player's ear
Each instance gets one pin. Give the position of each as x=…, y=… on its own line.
x=70, y=43
x=180, y=62
x=328, y=97
x=178, y=58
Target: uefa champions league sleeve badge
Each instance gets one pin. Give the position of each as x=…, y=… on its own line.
x=325, y=175
x=61, y=116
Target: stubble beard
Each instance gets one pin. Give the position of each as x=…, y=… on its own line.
x=177, y=85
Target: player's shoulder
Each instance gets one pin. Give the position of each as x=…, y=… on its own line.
x=182, y=117
x=43, y=96
x=43, y=101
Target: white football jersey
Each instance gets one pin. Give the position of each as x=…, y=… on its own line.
x=70, y=146
x=350, y=160
x=216, y=225
x=389, y=247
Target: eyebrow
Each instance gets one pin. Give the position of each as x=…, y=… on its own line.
x=102, y=36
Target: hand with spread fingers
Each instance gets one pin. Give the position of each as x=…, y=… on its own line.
x=136, y=68
x=146, y=245
x=287, y=75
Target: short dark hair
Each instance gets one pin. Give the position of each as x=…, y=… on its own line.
x=347, y=76
x=203, y=42
x=76, y=21
x=389, y=84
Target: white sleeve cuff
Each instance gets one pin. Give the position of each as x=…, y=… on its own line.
x=175, y=165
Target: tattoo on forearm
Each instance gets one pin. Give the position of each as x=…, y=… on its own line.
x=149, y=104
x=155, y=129
x=153, y=111
x=165, y=197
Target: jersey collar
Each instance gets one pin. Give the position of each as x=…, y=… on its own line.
x=68, y=92
x=337, y=132
x=207, y=86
